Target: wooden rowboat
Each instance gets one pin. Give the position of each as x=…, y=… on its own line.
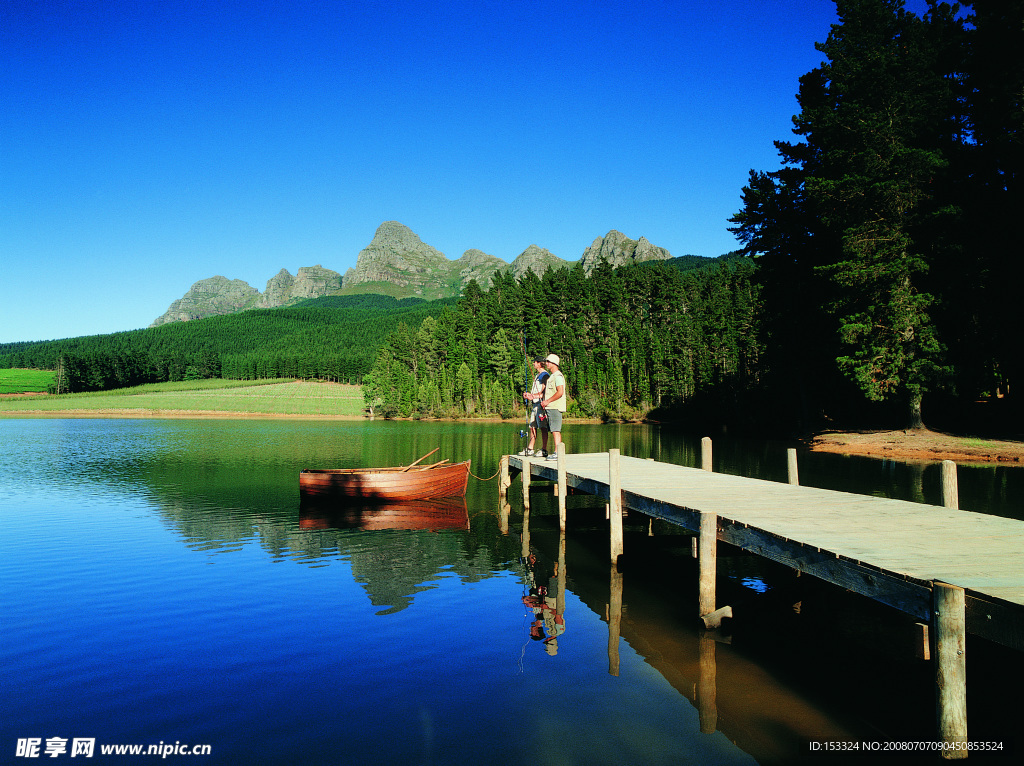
x=386, y=485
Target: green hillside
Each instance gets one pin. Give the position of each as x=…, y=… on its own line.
x=333, y=338
x=330, y=338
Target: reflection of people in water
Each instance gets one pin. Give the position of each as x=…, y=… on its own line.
x=542, y=597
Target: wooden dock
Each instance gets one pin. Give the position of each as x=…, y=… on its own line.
x=956, y=571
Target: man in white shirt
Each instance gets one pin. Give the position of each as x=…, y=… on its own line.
x=554, y=402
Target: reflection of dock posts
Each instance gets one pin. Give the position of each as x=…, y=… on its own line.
x=615, y=505
x=527, y=472
x=950, y=492
x=561, y=487
x=707, y=685
x=950, y=631
x=560, y=601
x=614, y=620
x=705, y=453
x=504, y=510
x=794, y=475
x=526, y=533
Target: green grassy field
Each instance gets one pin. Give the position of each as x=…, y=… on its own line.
x=18, y=381
x=273, y=397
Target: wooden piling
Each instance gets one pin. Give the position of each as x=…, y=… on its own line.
x=615, y=505
x=705, y=453
x=794, y=475
x=950, y=492
x=526, y=483
x=922, y=641
x=707, y=562
x=949, y=622
x=503, y=477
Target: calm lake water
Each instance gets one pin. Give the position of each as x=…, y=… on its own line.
x=161, y=584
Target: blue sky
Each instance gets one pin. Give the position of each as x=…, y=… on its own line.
x=148, y=144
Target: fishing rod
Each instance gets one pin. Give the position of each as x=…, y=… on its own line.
x=526, y=378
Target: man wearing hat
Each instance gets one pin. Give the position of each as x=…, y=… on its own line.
x=533, y=396
x=554, y=401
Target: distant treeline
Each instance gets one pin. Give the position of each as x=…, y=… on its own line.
x=332, y=338
x=631, y=340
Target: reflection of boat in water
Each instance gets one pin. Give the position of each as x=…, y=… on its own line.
x=441, y=513
x=384, y=485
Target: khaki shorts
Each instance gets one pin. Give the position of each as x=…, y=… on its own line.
x=553, y=422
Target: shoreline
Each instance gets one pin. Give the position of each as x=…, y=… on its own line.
x=919, y=446
x=193, y=414
x=908, y=446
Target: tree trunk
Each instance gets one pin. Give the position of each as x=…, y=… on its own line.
x=914, y=410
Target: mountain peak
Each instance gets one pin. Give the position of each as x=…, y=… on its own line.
x=397, y=262
x=619, y=250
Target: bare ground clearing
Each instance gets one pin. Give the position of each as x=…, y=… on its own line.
x=920, y=445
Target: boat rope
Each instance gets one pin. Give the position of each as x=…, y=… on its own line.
x=488, y=478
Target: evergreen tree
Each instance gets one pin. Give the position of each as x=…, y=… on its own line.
x=837, y=224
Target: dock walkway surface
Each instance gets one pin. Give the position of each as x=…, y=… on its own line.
x=889, y=550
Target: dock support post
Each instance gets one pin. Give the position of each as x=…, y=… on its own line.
x=615, y=505
x=794, y=475
x=705, y=453
x=527, y=475
x=950, y=623
x=950, y=493
x=706, y=562
x=561, y=487
x=503, y=478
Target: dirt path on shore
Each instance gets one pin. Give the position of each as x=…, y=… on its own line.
x=920, y=445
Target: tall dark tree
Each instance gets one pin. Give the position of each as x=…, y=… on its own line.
x=837, y=224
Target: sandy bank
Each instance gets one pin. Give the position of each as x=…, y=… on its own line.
x=923, y=445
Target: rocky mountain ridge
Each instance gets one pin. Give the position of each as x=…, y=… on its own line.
x=396, y=262
x=219, y=295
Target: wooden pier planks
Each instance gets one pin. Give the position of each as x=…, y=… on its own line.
x=887, y=549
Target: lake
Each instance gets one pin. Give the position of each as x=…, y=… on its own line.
x=163, y=585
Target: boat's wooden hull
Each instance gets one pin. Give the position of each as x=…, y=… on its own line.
x=441, y=513
x=383, y=485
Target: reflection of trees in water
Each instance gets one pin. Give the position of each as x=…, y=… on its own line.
x=391, y=565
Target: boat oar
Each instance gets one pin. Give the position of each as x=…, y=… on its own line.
x=421, y=459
